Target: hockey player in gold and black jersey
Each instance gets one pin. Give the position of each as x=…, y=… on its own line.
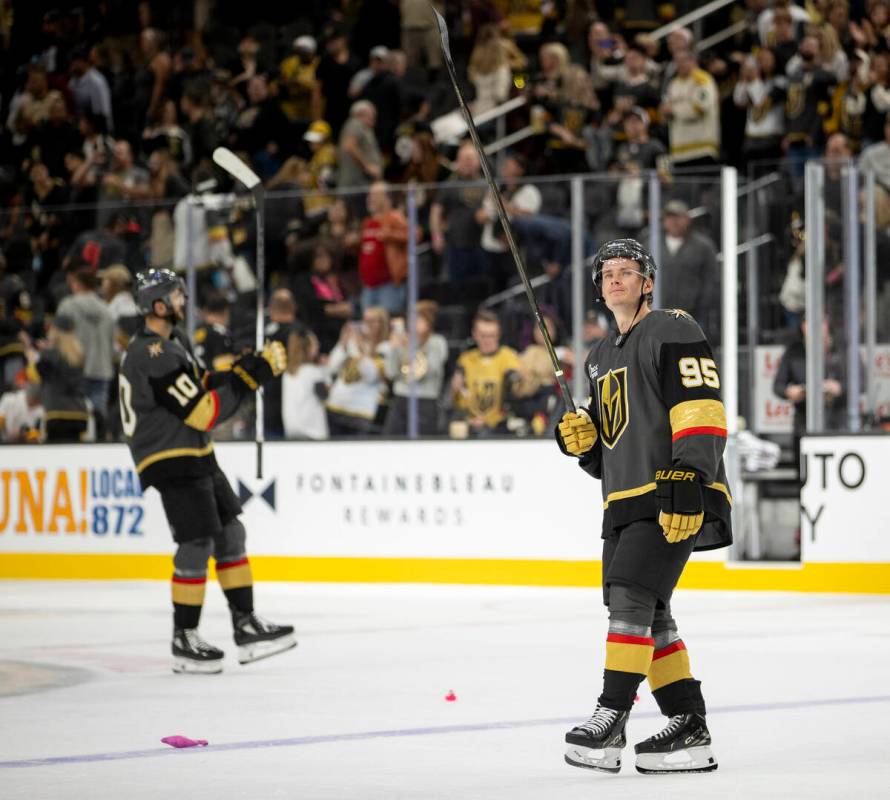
x=654, y=434
x=169, y=405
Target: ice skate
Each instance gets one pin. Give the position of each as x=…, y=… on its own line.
x=191, y=654
x=256, y=638
x=597, y=743
x=683, y=746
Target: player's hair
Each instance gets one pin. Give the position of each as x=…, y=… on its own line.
x=484, y=315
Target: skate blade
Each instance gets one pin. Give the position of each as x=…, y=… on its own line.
x=693, y=759
x=256, y=651
x=188, y=666
x=604, y=759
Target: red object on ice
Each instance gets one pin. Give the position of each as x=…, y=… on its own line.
x=451, y=696
x=184, y=741
x=636, y=698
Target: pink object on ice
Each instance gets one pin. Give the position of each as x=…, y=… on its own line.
x=451, y=696
x=184, y=741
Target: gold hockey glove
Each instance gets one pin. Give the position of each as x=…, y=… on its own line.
x=255, y=369
x=576, y=433
x=681, y=505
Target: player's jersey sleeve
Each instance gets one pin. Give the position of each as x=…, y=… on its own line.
x=592, y=461
x=178, y=387
x=690, y=389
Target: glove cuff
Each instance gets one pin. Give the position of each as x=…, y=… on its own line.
x=679, y=490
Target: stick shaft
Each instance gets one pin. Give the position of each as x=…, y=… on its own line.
x=502, y=215
x=259, y=197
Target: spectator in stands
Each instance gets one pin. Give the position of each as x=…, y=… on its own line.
x=383, y=91
x=765, y=21
x=282, y=313
x=553, y=58
x=165, y=133
x=261, y=129
x=356, y=401
x=420, y=38
x=876, y=158
x=335, y=71
x=871, y=31
x=783, y=38
x=115, y=289
x=878, y=98
x=89, y=87
x=692, y=108
x=489, y=70
x=322, y=302
x=298, y=85
x=521, y=199
x=606, y=58
x=426, y=373
x=790, y=384
x=198, y=125
x=124, y=181
x=453, y=221
x=635, y=80
x=677, y=42
x=534, y=390
x=573, y=110
x=688, y=270
x=809, y=87
x=359, y=156
x=99, y=248
x=761, y=91
x=214, y=345
x=304, y=389
x=98, y=147
x=849, y=102
x=55, y=137
x=251, y=61
x=16, y=314
x=151, y=79
x=21, y=415
x=316, y=176
x=57, y=365
x=383, y=261
x=482, y=381
x=35, y=103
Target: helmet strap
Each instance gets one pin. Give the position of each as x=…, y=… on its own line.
x=622, y=337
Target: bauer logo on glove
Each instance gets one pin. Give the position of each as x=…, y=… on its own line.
x=678, y=494
x=576, y=432
x=255, y=369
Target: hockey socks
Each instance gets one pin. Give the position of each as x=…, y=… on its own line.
x=629, y=651
x=188, y=598
x=236, y=581
x=671, y=681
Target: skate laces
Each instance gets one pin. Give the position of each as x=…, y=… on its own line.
x=601, y=720
x=671, y=728
x=195, y=642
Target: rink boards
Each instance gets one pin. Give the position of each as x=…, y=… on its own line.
x=499, y=512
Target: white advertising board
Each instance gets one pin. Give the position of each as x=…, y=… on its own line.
x=845, y=516
x=510, y=499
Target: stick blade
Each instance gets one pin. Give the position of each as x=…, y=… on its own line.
x=443, y=28
x=227, y=160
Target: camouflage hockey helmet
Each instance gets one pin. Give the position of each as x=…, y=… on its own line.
x=623, y=248
x=155, y=284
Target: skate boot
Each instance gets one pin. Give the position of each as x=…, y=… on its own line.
x=256, y=638
x=192, y=654
x=683, y=746
x=597, y=743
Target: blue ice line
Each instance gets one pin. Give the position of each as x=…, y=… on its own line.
x=299, y=741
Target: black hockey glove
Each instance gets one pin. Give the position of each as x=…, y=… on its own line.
x=576, y=433
x=255, y=369
x=680, y=502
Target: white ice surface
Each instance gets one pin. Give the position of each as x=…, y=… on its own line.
x=796, y=686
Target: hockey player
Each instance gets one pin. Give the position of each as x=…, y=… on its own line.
x=654, y=435
x=168, y=406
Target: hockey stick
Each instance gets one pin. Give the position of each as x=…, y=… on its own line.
x=502, y=213
x=228, y=161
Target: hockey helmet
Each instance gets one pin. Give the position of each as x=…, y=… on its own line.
x=623, y=248
x=156, y=284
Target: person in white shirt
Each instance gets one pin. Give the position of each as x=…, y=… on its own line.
x=304, y=389
x=21, y=415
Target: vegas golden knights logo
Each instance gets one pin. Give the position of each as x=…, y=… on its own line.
x=614, y=407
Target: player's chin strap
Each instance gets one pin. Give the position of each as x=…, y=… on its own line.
x=622, y=337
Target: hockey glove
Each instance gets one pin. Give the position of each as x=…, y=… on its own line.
x=255, y=369
x=680, y=502
x=576, y=433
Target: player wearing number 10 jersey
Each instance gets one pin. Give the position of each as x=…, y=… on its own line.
x=169, y=405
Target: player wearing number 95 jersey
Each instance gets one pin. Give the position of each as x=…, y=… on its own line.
x=169, y=405
x=653, y=433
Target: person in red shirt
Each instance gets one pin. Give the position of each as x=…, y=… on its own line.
x=382, y=262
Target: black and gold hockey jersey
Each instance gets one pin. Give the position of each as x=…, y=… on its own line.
x=168, y=407
x=655, y=399
x=214, y=347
